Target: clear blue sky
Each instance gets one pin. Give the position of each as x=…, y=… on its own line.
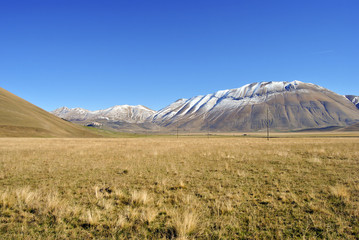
x=96, y=54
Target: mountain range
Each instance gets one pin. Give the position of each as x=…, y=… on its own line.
x=283, y=105
x=126, y=113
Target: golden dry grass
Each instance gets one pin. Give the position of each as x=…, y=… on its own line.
x=185, y=188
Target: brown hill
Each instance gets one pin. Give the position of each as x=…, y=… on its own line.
x=19, y=118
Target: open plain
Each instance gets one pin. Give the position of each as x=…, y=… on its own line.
x=188, y=187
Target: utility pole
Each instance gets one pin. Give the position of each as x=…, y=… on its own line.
x=207, y=127
x=267, y=121
x=177, y=129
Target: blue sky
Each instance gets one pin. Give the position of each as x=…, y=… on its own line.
x=96, y=54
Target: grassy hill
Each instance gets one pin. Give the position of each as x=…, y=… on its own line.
x=19, y=118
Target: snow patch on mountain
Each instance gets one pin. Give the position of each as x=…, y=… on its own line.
x=353, y=99
x=249, y=94
x=169, y=110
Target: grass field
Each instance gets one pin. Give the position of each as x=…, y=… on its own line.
x=185, y=188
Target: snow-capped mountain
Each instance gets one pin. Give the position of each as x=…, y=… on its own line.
x=291, y=105
x=124, y=113
x=353, y=99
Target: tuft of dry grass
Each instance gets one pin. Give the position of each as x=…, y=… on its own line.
x=315, y=160
x=139, y=198
x=185, y=223
x=340, y=191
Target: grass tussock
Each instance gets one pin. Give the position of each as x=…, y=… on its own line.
x=184, y=223
x=186, y=188
x=139, y=198
x=340, y=191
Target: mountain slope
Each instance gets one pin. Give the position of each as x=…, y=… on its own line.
x=290, y=105
x=353, y=99
x=354, y=127
x=124, y=113
x=19, y=118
